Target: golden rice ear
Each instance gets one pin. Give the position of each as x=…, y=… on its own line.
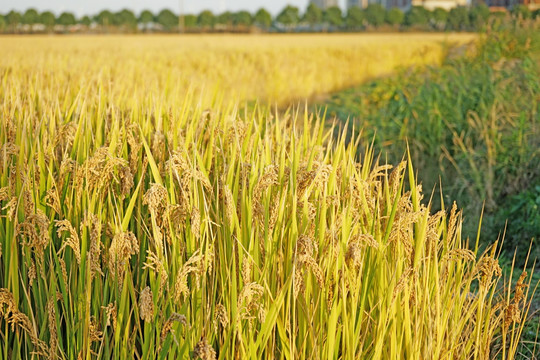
x=168, y=328
x=512, y=313
x=204, y=351
x=72, y=241
x=192, y=265
x=122, y=247
x=93, y=224
x=94, y=333
x=7, y=302
x=221, y=317
x=146, y=305
x=156, y=198
x=110, y=315
x=246, y=270
x=156, y=264
x=53, y=330
x=196, y=222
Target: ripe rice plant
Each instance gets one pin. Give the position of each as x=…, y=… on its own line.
x=231, y=235
x=140, y=219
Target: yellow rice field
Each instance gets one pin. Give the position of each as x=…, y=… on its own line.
x=274, y=68
x=143, y=216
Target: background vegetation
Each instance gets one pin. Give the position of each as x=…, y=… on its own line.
x=290, y=19
x=472, y=124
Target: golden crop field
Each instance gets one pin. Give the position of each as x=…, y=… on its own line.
x=274, y=68
x=144, y=216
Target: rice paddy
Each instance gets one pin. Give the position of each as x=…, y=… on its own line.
x=278, y=69
x=147, y=213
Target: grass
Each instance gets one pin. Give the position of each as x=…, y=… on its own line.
x=143, y=220
x=471, y=124
x=481, y=114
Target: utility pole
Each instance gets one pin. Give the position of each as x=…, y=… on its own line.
x=181, y=23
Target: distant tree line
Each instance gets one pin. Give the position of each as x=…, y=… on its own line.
x=290, y=19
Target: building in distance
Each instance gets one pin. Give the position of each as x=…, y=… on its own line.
x=324, y=4
x=444, y=4
x=508, y=4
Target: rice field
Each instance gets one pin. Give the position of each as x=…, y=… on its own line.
x=278, y=69
x=147, y=214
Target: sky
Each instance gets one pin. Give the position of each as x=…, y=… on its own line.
x=90, y=7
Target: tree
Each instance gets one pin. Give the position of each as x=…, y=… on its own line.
x=522, y=11
x=66, y=19
x=30, y=17
x=167, y=19
x=85, y=20
x=48, y=19
x=417, y=16
x=333, y=16
x=2, y=23
x=375, y=14
x=289, y=16
x=224, y=19
x=355, y=17
x=190, y=21
x=458, y=18
x=439, y=16
x=263, y=18
x=125, y=18
x=242, y=18
x=313, y=15
x=478, y=16
x=394, y=17
x=13, y=19
x=145, y=18
x=206, y=19
x=105, y=18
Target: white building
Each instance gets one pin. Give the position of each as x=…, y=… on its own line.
x=360, y=3
x=407, y=4
x=325, y=4
x=444, y=4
